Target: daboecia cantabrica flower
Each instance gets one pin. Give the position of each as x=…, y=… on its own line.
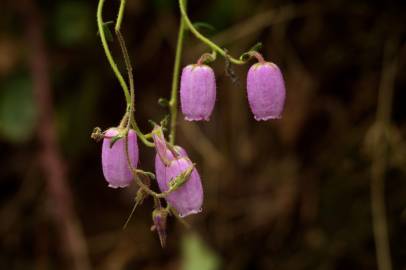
x=187, y=199
x=197, y=92
x=266, y=91
x=114, y=160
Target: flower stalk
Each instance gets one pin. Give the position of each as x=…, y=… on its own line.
x=173, y=102
x=100, y=25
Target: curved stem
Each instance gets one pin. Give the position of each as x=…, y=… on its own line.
x=108, y=53
x=141, y=136
x=173, y=102
x=258, y=56
x=120, y=15
x=207, y=57
x=204, y=39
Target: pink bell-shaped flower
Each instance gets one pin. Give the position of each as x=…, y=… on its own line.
x=114, y=160
x=266, y=91
x=197, y=92
x=187, y=199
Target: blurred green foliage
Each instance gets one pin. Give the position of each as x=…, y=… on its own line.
x=196, y=254
x=17, y=109
x=73, y=23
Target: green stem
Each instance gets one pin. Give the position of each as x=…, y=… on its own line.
x=120, y=15
x=173, y=102
x=204, y=39
x=108, y=53
x=141, y=136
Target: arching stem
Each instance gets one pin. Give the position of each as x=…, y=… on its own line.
x=204, y=39
x=108, y=53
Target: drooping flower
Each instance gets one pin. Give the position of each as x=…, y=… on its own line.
x=114, y=159
x=197, y=92
x=266, y=91
x=187, y=198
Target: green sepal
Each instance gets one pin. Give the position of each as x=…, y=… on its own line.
x=181, y=179
x=115, y=139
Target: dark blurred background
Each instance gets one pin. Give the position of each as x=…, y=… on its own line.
x=289, y=194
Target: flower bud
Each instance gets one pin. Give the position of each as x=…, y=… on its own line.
x=160, y=144
x=266, y=91
x=187, y=198
x=197, y=92
x=159, y=217
x=114, y=158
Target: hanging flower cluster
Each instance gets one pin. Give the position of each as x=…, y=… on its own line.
x=178, y=180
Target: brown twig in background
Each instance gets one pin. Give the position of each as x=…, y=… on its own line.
x=203, y=145
x=71, y=235
x=257, y=23
x=379, y=144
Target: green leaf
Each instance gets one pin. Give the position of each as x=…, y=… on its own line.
x=204, y=25
x=18, y=113
x=107, y=32
x=197, y=255
x=163, y=102
x=256, y=47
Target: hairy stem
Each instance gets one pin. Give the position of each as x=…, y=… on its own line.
x=107, y=50
x=127, y=61
x=131, y=107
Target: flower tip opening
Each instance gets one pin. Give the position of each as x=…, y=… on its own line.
x=266, y=118
x=197, y=118
x=191, y=212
